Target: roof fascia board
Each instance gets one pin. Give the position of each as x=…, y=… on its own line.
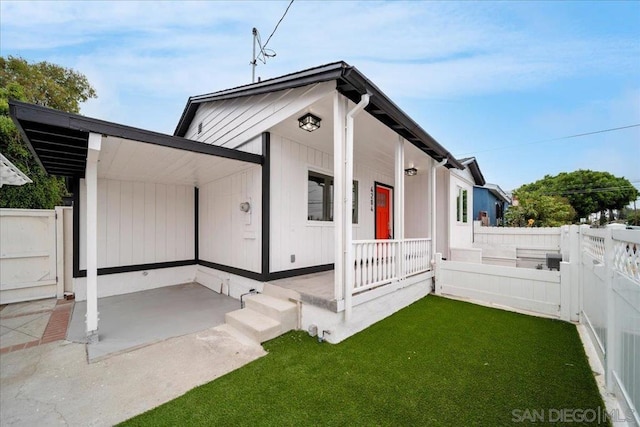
x=23, y=134
x=29, y=112
x=363, y=85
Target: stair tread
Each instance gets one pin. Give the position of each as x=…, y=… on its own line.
x=268, y=300
x=253, y=319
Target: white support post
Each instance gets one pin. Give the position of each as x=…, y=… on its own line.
x=398, y=202
x=348, y=202
x=339, y=111
x=59, y=252
x=91, y=179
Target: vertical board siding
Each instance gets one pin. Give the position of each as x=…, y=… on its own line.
x=311, y=242
x=232, y=122
x=140, y=223
x=417, y=201
x=227, y=235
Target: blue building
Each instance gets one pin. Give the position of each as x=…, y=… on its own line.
x=490, y=202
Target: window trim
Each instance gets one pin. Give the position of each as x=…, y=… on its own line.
x=329, y=178
x=462, y=205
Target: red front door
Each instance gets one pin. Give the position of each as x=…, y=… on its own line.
x=383, y=213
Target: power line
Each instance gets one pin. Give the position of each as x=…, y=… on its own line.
x=264, y=53
x=278, y=24
x=554, y=139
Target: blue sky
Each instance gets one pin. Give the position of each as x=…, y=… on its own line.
x=486, y=79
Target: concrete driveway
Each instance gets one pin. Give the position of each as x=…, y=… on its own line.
x=154, y=346
x=52, y=384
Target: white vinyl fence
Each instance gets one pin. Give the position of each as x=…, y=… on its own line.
x=609, y=261
x=598, y=284
x=31, y=254
x=538, y=291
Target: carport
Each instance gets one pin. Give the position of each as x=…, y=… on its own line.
x=127, y=184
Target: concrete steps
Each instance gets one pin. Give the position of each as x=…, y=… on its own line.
x=264, y=317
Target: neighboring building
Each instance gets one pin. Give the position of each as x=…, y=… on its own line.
x=455, y=207
x=10, y=174
x=313, y=187
x=490, y=203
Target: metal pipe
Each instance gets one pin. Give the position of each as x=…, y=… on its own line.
x=433, y=207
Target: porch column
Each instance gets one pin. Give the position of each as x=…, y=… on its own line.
x=348, y=203
x=398, y=206
x=91, y=180
x=398, y=199
x=339, y=111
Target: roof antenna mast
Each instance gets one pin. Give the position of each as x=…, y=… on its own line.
x=263, y=53
x=253, y=61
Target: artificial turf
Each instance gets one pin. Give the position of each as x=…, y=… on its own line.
x=436, y=362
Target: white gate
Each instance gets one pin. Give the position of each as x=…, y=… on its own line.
x=28, y=261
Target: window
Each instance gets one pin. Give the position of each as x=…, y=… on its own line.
x=320, y=198
x=461, y=205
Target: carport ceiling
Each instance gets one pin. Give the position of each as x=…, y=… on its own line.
x=59, y=140
x=128, y=160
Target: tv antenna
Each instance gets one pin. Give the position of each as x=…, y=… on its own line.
x=263, y=52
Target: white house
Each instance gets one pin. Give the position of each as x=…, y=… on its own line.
x=455, y=206
x=313, y=187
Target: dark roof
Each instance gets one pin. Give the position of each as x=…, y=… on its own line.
x=58, y=140
x=474, y=168
x=349, y=82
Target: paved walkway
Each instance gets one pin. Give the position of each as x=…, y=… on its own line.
x=52, y=384
x=28, y=324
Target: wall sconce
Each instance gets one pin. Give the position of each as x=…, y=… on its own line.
x=411, y=172
x=245, y=207
x=309, y=122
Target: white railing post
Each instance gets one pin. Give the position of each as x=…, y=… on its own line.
x=437, y=267
x=610, y=346
x=575, y=261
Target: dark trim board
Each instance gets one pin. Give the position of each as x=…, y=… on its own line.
x=196, y=223
x=139, y=267
x=76, y=227
x=266, y=205
x=299, y=271
x=233, y=270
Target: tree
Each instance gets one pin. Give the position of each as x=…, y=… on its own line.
x=587, y=191
x=44, y=84
x=538, y=210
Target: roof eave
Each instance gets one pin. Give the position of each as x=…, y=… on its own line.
x=350, y=83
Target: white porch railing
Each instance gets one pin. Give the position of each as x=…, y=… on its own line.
x=378, y=262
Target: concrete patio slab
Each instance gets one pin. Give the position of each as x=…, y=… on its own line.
x=53, y=384
x=134, y=320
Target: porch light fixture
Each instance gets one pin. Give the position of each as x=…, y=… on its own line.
x=411, y=172
x=309, y=122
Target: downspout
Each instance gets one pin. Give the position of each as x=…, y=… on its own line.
x=348, y=205
x=433, y=204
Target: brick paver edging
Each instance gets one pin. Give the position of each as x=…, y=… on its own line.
x=56, y=328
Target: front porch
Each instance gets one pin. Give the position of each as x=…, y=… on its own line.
x=378, y=266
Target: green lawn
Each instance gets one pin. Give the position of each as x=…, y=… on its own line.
x=436, y=362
